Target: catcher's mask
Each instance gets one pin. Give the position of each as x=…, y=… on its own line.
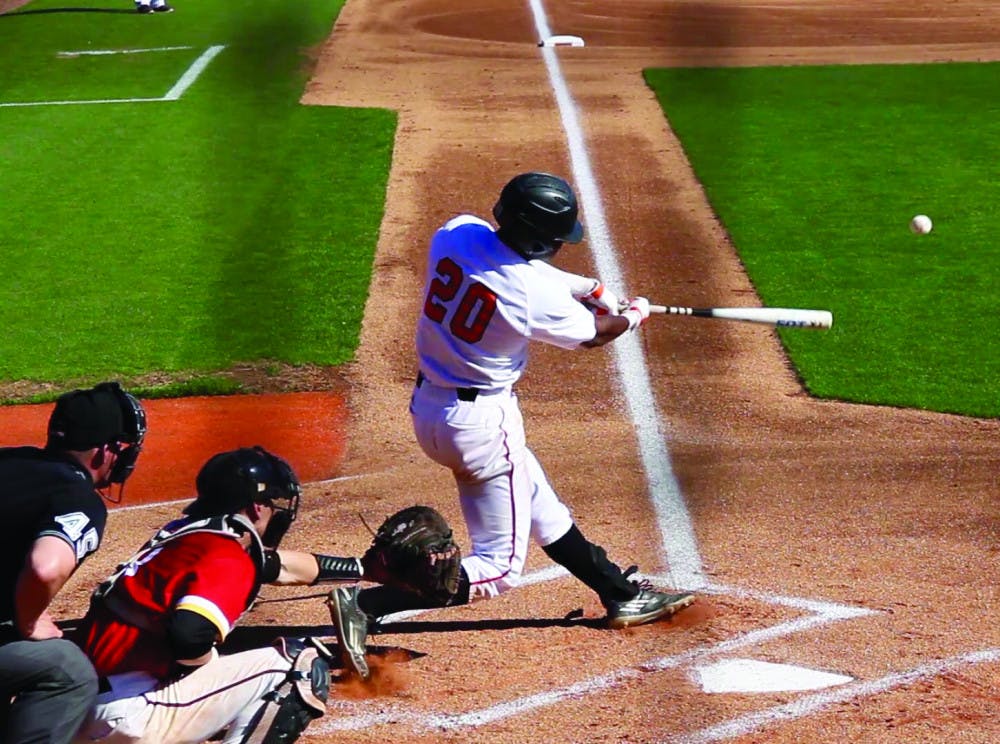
x=231, y=481
x=102, y=415
x=536, y=214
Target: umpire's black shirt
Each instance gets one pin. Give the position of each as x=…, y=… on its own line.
x=43, y=492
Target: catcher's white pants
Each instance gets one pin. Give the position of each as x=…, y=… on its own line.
x=504, y=493
x=226, y=693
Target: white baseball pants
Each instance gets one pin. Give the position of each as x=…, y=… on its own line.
x=504, y=493
x=226, y=693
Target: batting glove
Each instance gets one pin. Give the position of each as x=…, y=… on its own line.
x=637, y=312
x=602, y=299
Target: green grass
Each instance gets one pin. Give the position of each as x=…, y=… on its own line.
x=816, y=171
x=234, y=225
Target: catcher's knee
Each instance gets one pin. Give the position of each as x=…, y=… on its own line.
x=299, y=699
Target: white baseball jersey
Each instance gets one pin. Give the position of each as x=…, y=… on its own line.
x=483, y=304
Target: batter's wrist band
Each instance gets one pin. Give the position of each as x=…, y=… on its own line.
x=634, y=318
x=332, y=568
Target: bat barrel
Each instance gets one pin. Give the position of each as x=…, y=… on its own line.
x=784, y=317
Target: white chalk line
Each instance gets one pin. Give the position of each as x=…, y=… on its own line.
x=823, y=613
x=576, y=690
x=832, y=610
x=816, y=702
x=742, y=725
x=103, y=52
x=192, y=73
x=186, y=80
x=327, y=482
x=677, y=533
x=28, y=104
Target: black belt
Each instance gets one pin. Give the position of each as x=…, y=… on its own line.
x=103, y=685
x=468, y=394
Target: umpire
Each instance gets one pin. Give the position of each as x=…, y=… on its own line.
x=52, y=517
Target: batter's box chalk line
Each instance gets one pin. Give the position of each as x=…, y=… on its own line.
x=351, y=715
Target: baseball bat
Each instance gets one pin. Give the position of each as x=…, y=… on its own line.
x=785, y=317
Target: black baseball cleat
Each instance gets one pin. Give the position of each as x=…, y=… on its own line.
x=163, y=8
x=351, y=623
x=645, y=607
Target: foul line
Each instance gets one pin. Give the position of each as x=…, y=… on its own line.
x=676, y=532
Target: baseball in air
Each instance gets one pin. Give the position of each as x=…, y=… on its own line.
x=921, y=224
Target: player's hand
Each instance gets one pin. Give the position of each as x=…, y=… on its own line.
x=43, y=629
x=637, y=312
x=602, y=299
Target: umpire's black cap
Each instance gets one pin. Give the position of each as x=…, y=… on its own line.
x=83, y=419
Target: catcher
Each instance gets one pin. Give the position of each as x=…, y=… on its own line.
x=154, y=625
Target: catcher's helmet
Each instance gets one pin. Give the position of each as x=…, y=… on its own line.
x=537, y=213
x=231, y=481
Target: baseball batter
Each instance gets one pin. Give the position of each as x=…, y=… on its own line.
x=488, y=294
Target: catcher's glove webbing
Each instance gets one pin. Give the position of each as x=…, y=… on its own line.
x=414, y=550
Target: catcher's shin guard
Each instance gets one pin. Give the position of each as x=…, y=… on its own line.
x=300, y=699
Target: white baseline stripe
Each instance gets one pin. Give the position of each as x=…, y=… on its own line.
x=188, y=78
x=100, y=52
x=676, y=531
x=80, y=103
x=813, y=703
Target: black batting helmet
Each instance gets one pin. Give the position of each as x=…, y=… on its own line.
x=536, y=213
x=231, y=481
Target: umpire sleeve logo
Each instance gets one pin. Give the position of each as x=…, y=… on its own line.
x=74, y=527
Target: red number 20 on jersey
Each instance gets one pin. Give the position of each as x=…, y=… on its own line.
x=475, y=307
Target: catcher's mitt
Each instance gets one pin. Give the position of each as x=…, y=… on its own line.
x=414, y=550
